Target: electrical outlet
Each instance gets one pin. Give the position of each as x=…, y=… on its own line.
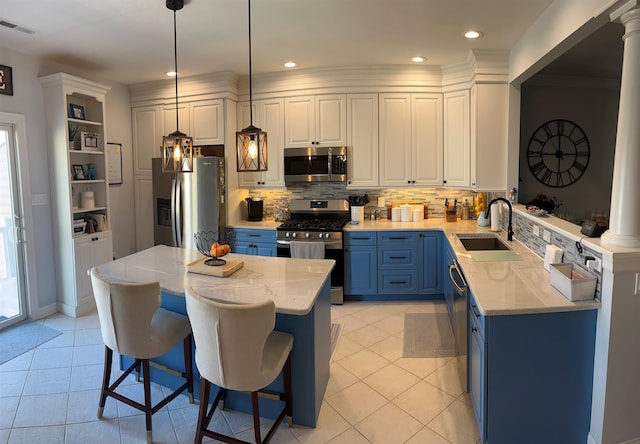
x=546, y=235
x=536, y=230
x=597, y=265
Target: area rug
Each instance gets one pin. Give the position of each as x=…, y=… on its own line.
x=336, y=329
x=428, y=335
x=23, y=337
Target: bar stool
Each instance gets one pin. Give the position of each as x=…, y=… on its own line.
x=133, y=324
x=238, y=349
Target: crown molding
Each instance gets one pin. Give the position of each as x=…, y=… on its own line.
x=573, y=82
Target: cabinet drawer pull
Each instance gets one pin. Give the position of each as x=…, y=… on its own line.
x=397, y=282
x=474, y=330
x=475, y=310
x=360, y=238
x=398, y=257
x=398, y=238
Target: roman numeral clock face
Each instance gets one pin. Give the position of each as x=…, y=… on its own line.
x=558, y=153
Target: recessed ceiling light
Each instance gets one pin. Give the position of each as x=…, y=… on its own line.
x=290, y=65
x=418, y=59
x=473, y=34
x=171, y=74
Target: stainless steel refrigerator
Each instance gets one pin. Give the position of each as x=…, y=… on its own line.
x=188, y=203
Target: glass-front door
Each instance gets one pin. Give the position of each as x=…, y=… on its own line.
x=12, y=276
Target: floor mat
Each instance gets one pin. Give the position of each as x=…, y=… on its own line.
x=23, y=337
x=428, y=335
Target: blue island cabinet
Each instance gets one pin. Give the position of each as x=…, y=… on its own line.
x=530, y=375
x=254, y=242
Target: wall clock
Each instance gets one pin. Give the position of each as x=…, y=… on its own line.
x=558, y=153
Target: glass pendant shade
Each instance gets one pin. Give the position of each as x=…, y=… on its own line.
x=251, y=143
x=177, y=153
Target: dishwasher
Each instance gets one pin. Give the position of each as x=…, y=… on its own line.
x=460, y=320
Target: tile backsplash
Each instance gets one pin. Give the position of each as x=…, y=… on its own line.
x=435, y=197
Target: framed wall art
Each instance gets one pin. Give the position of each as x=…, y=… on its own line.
x=114, y=163
x=6, y=80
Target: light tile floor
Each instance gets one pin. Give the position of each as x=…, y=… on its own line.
x=50, y=394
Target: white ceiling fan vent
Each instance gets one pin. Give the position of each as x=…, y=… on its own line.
x=10, y=25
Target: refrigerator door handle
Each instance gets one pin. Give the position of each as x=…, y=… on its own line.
x=174, y=233
x=178, y=213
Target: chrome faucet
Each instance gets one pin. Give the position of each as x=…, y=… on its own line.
x=510, y=227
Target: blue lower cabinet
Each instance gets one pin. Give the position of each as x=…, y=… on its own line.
x=360, y=264
x=531, y=376
x=254, y=242
x=431, y=252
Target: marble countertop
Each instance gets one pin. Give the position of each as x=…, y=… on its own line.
x=266, y=224
x=500, y=288
x=293, y=284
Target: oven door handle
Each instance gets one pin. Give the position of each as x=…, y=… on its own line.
x=284, y=242
x=330, y=245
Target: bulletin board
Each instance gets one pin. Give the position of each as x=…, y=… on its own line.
x=114, y=163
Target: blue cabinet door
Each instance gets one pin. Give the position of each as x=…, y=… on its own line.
x=431, y=277
x=360, y=270
x=254, y=242
x=477, y=371
x=360, y=263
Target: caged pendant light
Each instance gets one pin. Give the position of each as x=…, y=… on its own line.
x=177, y=147
x=251, y=142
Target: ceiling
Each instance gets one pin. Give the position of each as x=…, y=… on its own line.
x=131, y=41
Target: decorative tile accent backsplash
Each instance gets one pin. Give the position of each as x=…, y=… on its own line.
x=435, y=197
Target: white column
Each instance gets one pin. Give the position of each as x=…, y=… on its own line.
x=624, y=220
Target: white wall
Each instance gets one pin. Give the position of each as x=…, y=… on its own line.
x=595, y=110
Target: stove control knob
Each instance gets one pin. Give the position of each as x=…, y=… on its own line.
x=294, y=235
x=327, y=236
x=286, y=234
x=307, y=235
x=320, y=235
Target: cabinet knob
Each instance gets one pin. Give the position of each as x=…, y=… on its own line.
x=408, y=181
x=413, y=181
x=473, y=329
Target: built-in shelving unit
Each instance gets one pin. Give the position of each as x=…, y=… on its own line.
x=79, y=185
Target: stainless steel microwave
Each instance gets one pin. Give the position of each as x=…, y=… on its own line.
x=315, y=164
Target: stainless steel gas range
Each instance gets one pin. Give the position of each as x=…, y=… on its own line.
x=316, y=220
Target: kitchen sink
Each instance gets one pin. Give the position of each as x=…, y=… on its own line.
x=487, y=247
x=482, y=242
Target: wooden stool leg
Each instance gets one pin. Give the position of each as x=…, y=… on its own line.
x=146, y=375
x=286, y=375
x=256, y=416
x=202, y=411
x=106, y=376
x=188, y=366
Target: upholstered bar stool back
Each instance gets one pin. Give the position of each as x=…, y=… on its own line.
x=133, y=324
x=238, y=349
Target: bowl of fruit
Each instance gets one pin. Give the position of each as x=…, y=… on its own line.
x=208, y=245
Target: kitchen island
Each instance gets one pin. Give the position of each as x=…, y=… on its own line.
x=300, y=289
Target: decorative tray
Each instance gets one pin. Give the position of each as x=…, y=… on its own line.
x=199, y=267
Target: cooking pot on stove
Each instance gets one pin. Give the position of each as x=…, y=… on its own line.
x=254, y=209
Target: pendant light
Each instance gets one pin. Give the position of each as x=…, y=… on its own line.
x=177, y=147
x=251, y=142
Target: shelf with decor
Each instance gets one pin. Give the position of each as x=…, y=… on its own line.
x=76, y=137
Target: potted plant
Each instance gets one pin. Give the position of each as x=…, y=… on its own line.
x=73, y=133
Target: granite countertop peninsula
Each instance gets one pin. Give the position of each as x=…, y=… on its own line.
x=293, y=284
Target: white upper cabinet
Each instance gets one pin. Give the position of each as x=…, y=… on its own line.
x=410, y=137
x=315, y=120
x=268, y=114
x=457, y=145
x=427, y=139
x=147, y=138
x=362, y=140
x=207, y=122
x=489, y=125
